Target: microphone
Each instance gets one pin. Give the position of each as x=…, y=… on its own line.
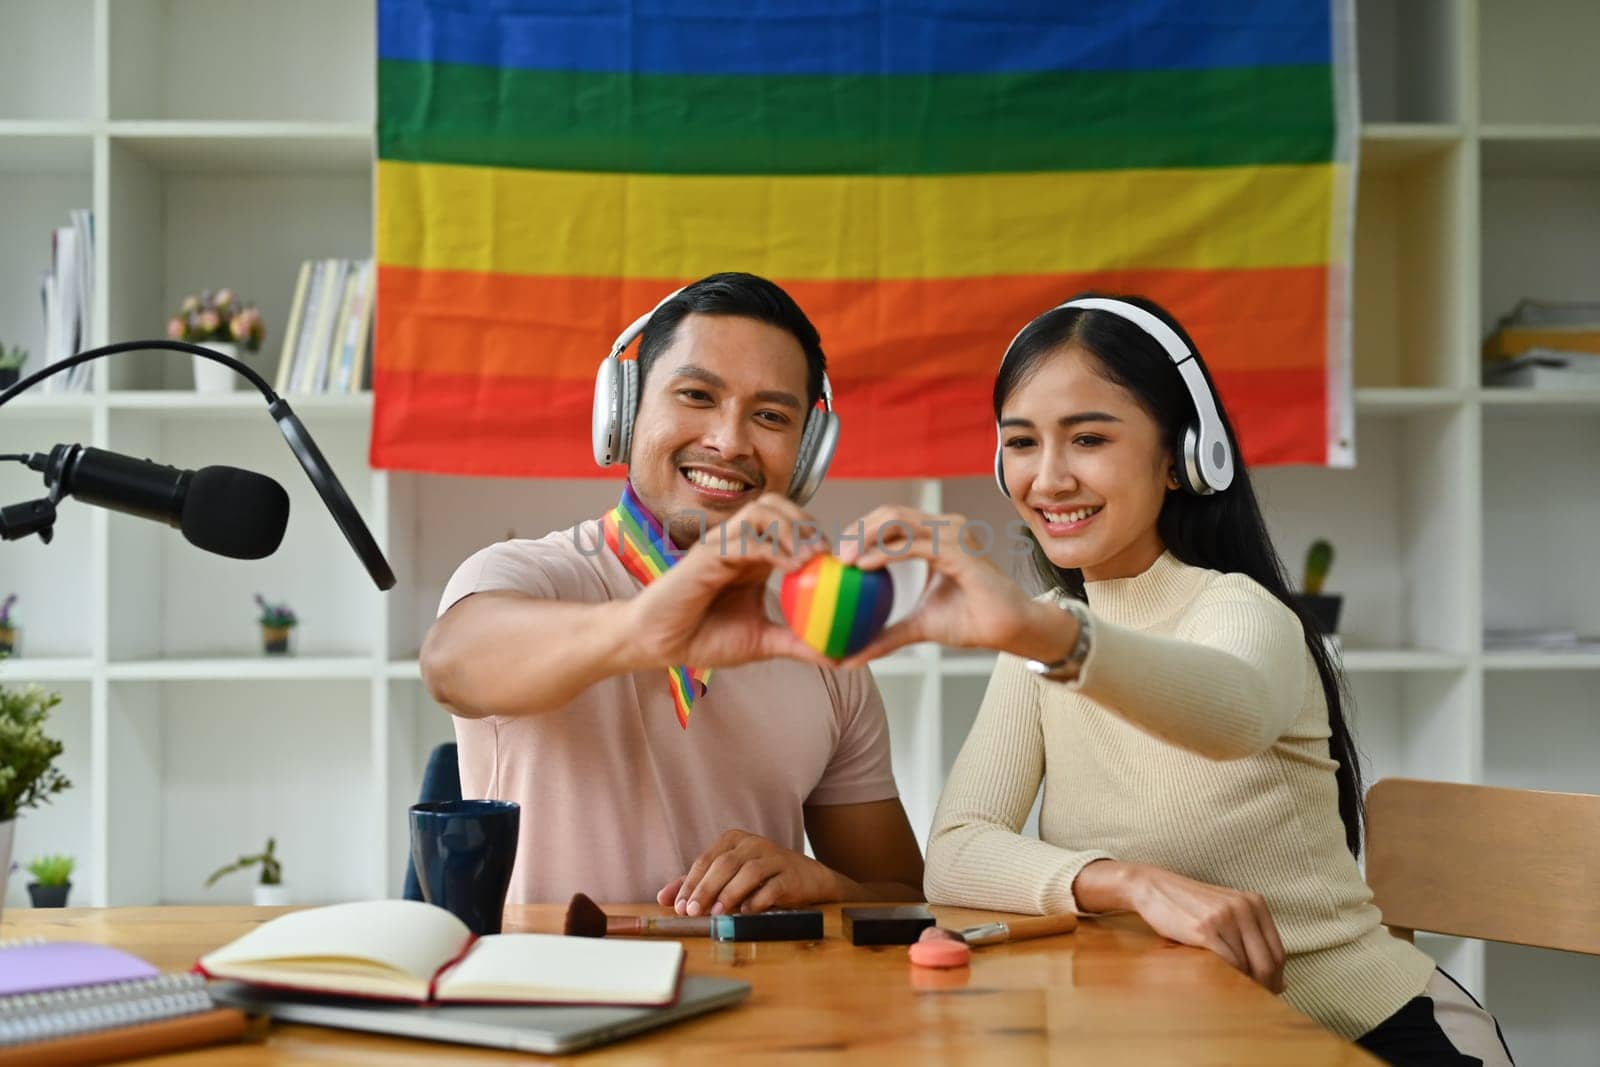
x=232, y=512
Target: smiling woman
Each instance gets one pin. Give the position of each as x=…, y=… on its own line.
x=1185, y=721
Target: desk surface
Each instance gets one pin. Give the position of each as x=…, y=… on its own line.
x=1112, y=992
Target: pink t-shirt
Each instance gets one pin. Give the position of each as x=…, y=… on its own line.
x=617, y=799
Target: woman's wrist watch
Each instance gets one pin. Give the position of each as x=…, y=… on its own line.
x=1070, y=665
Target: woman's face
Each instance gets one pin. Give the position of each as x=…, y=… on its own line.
x=1086, y=467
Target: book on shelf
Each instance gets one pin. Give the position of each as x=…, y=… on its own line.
x=1545, y=368
x=325, y=342
x=66, y=292
x=404, y=950
x=1543, y=325
x=65, y=1002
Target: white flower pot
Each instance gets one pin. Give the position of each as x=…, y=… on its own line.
x=270, y=896
x=213, y=377
x=7, y=829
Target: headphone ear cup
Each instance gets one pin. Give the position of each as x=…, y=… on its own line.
x=603, y=419
x=1000, y=471
x=818, y=442
x=1189, y=472
x=628, y=400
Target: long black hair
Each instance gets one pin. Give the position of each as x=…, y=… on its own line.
x=1223, y=531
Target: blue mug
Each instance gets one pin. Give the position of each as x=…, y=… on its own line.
x=463, y=851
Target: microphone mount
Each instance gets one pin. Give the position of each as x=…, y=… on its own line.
x=38, y=516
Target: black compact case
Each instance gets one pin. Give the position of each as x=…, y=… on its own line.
x=898, y=925
x=800, y=925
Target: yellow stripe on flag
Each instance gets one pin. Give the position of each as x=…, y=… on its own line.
x=554, y=223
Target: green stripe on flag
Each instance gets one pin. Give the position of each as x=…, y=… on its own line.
x=923, y=124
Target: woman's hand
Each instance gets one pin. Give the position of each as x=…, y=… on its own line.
x=967, y=602
x=1233, y=924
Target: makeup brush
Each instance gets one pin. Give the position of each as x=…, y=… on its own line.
x=586, y=919
x=1019, y=929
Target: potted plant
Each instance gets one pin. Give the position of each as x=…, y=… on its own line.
x=11, y=361
x=270, y=890
x=52, y=881
x=8, y=627
x=220, y=321
x=1322, y=607
x=276, y=622
x=28, y=773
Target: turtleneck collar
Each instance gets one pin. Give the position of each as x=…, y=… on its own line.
x=1164, y=589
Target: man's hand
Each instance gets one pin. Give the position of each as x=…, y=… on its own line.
x=746, y=873
x=709, y=609
x=1231, y=923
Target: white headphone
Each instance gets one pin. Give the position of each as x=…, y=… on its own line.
x=1207, y=458
x=616, y=402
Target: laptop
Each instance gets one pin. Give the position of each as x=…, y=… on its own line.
x=554, y=1028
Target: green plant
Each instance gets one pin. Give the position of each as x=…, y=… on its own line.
x=277, y=616
x=51, y=870
x=1319, y=559
x=28, y=775
x=271, y=870
x=12, y=358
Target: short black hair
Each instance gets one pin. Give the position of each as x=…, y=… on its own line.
x=735, y=293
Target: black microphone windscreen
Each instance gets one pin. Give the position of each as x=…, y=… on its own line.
x=235, y=513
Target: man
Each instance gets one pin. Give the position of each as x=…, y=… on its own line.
x=553, y=654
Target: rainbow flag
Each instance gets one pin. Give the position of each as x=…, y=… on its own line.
x=923, y=178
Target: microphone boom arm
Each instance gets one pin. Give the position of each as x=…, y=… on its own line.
x=37, y=516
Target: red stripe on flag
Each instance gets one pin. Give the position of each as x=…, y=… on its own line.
x=891, y=428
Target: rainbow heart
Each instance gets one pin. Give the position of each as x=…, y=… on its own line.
x=837, y=608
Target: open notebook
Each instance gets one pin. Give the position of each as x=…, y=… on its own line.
x=406, y=950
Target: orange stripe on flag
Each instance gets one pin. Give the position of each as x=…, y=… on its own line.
x=505, y=327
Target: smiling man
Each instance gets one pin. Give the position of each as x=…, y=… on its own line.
x=567, y=665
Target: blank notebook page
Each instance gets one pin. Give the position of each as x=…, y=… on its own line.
x=575, y=970
x=406, y=935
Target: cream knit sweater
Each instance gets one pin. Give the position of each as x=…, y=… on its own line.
x=1195, y=739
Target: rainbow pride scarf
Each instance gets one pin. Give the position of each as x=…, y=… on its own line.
x=922, y=178
x=642, y=544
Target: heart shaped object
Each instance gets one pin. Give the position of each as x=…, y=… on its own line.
x=837, y=608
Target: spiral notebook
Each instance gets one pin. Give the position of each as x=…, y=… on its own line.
x=54, y=994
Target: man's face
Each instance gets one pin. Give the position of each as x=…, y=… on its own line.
x=719, y=423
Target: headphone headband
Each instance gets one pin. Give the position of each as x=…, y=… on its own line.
x=1206, y=457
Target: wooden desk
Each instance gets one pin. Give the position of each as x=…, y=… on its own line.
x=1112, y=992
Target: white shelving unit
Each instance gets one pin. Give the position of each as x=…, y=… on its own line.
x=224, y=141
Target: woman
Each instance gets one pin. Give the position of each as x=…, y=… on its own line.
x=1185, y=719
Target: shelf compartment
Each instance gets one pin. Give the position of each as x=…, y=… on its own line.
x=175, y=231
x=47, y=53
x=1408, y=51
x=1541, y=505
x=1536, y=62
x=205, y=771
x=1412, y=260
x=168, y=600
x=237, y=59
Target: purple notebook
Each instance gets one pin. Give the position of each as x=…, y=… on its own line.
x=66, y=964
